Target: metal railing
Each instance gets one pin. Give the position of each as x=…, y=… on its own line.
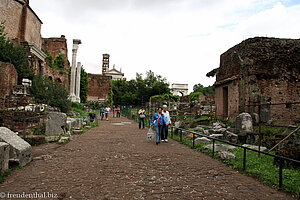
x=281, y=158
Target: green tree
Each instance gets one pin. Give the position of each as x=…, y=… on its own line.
x=204, y=90
x=59, y=61
x=84, y=85
x=139, y=90
x=198, y=87
x=14, y=54
x=51, y=93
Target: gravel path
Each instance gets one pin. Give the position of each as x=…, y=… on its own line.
x=115, y=161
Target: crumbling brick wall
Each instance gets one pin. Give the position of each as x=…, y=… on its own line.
x=57, y=46
x=99, y=86
x=21, y=22
x=261, y=70
x=8, y=78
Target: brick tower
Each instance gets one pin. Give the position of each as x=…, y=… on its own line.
x=105, y=63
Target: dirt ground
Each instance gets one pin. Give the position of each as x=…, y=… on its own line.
x=115, y=161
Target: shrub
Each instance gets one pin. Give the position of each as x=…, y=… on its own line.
x=51, y=93
x=15, y=55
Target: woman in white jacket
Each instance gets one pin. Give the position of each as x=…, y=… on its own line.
x=164, y=135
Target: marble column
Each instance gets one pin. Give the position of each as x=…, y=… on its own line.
x=77, y=92
x=72, y=96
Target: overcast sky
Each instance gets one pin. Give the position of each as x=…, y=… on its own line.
x=181, y=40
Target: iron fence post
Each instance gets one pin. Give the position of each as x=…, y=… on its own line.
x=280, y=172
x=193, y=140
x=244, y=160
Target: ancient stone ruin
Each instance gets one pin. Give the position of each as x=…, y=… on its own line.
x=262, y=71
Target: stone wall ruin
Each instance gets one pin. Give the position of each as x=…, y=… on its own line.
x=260, y=70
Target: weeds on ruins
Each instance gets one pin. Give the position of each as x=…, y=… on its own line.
x=14, y=54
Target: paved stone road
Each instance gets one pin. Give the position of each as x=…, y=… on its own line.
x=114, y=161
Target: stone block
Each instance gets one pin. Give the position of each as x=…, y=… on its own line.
x=63, y=139
x=225, y=155
x=220, y=147
x=74, y=123
x=20, y=150
x=231, y=137
x=219, y=136
x=53, y=138
x=56, y=124
x=4, y=156
x=202, y=140
x=254, y=147
x=244, y=123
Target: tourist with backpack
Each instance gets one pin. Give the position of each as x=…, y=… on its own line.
x=158, y=120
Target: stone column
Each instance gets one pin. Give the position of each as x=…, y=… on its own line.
x=72, y=96
x=77, y=92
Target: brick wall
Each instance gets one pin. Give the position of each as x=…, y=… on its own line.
x=261, y=70
x=57, y=46
x=33, y=28
x=99, y=86
x=8, y=78
x=21, y=24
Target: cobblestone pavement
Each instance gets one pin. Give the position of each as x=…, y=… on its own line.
x=115, y=161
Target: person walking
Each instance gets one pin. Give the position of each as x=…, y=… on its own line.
x=102, y=110
x=118, y=111
x=142, y=115
x=165, y=131
x=113, y=110
x=158, y=120
x=107, y=111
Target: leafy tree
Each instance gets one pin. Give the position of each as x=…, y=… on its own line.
x=14, y=54
x=51, y=93
x=204, y=90
x=84, y=85
x=195, y=96
x=59, y=61
x=140, y=89
x=198, y=87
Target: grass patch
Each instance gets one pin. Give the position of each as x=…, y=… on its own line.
x=260, y=167
x=268, y=131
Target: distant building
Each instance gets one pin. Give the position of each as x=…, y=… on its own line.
x=113, y=73
x=180, y=89
x=99, y=84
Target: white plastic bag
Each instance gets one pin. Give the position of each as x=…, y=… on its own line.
x=150, y=134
